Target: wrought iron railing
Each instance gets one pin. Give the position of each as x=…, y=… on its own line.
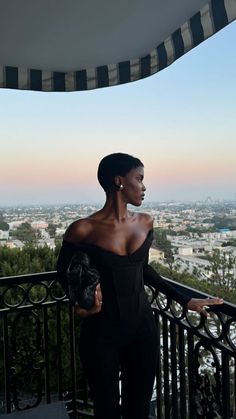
x=196, y=374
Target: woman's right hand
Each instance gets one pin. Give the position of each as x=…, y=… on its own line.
x=82, y=312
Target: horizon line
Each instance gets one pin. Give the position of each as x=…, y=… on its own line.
x=98, y=203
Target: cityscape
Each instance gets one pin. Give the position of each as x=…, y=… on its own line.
x=194, y=231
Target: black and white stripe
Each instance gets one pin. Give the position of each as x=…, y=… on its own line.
x=211, y=18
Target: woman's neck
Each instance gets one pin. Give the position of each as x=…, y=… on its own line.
x=115, y=208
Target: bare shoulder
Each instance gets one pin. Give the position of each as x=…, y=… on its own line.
x=146, y=219
x=79, y=231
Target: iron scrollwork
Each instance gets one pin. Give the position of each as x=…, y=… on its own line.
x=207, y=382
x=26, y=360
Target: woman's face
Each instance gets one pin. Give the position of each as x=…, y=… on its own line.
x=134, y=188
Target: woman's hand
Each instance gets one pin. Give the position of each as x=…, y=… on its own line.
x=198, y=304
x=82, y=312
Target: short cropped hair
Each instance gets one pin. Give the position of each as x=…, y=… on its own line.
x=116, y=164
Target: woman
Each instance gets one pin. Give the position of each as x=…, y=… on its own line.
x=119, y=332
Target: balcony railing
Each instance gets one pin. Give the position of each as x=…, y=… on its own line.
x=195, y=378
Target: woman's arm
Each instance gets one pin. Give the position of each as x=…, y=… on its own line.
x=73, y=236
x=151, y=277
x=66, y=252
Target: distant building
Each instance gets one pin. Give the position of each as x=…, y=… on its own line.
x=48, y=242
x=185, y=251
x=155, y=255
x=4, y=235
x=60, y=231
x=191, y=263
x=14, y=244
x=39, y=224
x=15, y=224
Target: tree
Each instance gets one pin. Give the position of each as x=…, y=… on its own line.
x=26, y=261
x=231, y=242
x=169, y=259
x=29, y=260
x=224, y=222
x=25, y=233
x=162, y=243
x=196, y=272
x=4, y=226
x=222, y=266
x=160, y=240
x=51, y=229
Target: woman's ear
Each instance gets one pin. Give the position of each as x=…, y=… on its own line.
x=117, y=181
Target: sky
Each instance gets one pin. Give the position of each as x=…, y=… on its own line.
x=179, y=122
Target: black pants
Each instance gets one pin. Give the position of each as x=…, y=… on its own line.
x=104, y=359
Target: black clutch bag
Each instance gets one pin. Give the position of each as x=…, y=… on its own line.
x=82, y=280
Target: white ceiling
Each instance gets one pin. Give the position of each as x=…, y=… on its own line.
x=68, y=35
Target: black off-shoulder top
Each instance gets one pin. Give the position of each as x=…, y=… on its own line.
x=122, y=280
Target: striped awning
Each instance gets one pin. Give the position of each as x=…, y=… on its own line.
x=72, y=45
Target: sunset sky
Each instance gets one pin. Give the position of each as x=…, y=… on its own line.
x=179, y=122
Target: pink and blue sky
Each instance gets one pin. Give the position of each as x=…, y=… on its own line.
x=179, y=122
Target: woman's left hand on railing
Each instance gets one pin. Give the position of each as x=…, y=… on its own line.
x=199, y=304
